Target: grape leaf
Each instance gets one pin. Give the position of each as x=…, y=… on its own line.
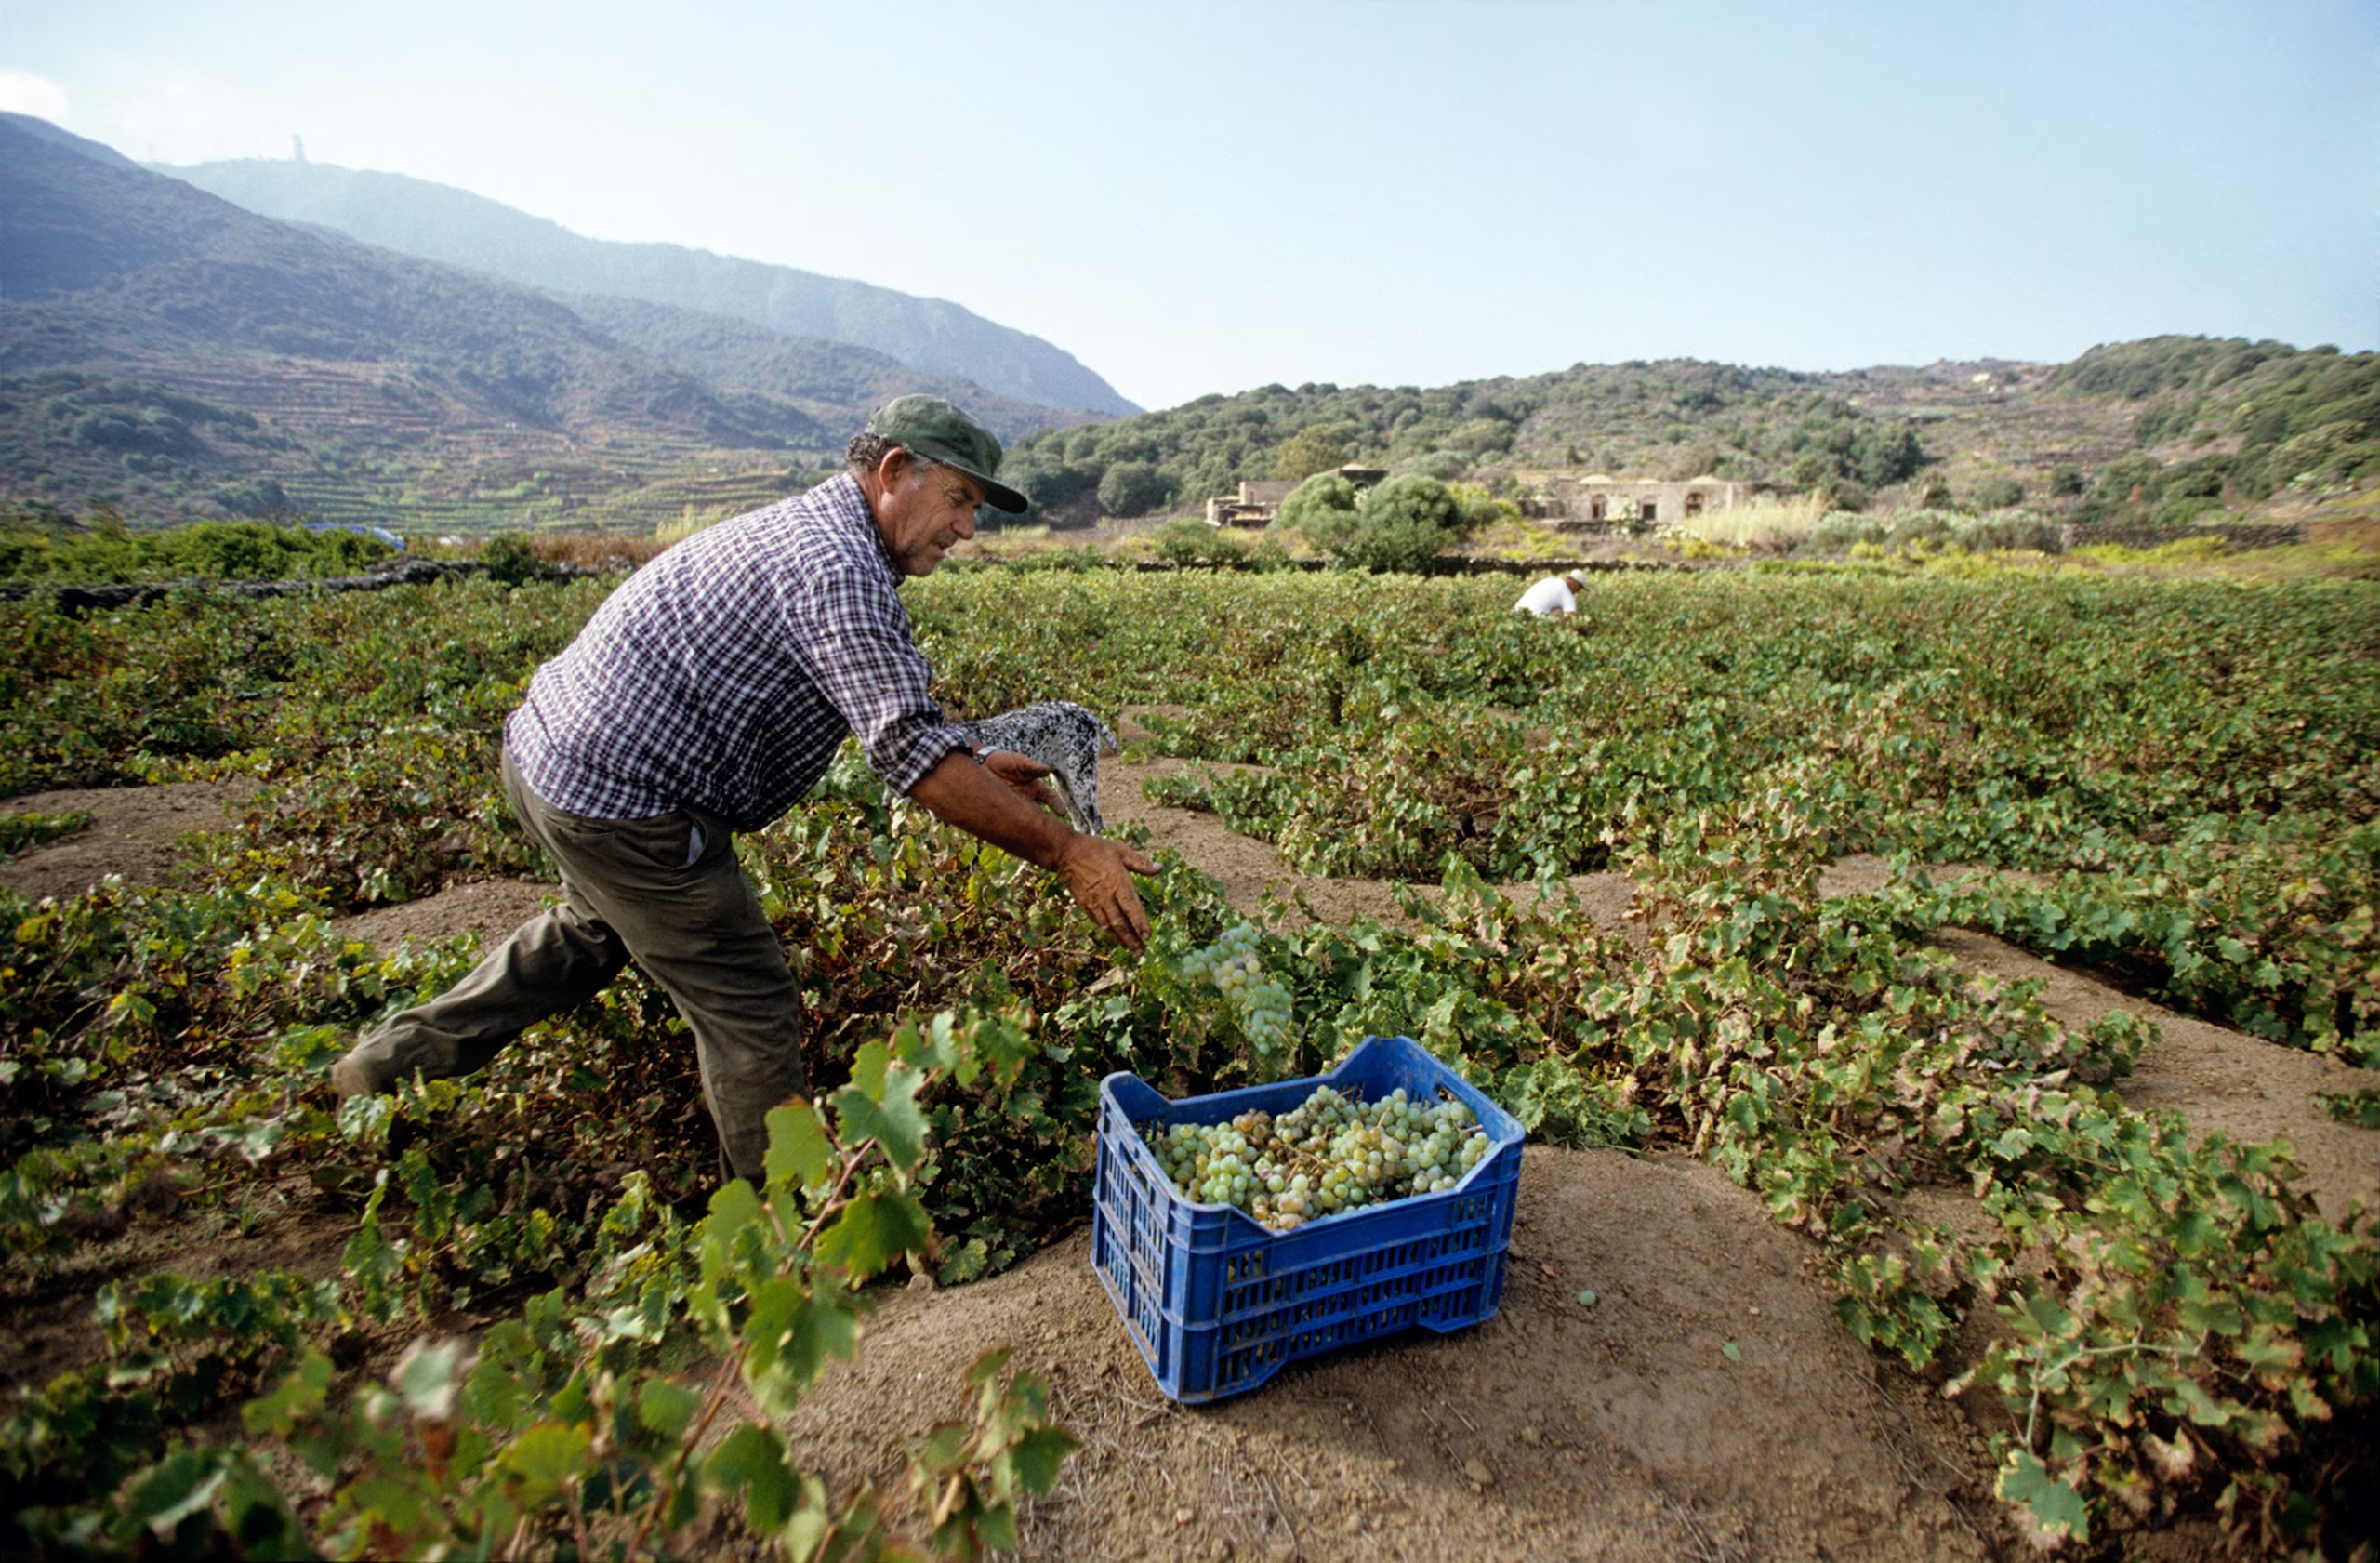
x=666, y=1406
x=799, y=1152
x=874, y=1230
x=2055, y=1507
x=886, y=1112
x=545, y=1456
x=751, y=1460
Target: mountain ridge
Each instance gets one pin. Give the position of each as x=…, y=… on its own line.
x=170, y=354
x=457, y=227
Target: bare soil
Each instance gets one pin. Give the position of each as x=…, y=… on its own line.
x=1556, y=1430
x=1624, y=1430
x=490, y=910
x=135, y=831
x=52, y=1327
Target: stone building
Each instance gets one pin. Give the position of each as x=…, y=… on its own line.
x=1258, y=502
x=1259, y=499
x=1599, y=499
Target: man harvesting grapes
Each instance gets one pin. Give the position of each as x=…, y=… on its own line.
x=705, y=696
x=1554, y=594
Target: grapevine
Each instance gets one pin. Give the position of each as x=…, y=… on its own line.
x=2184, y=770
x=1323, y=1157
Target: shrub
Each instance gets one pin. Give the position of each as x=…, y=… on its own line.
x=1398, y=526
x=1919, y=526
x=1316, y=448
x=1845, y=495
x=1476, y=510
x=1482, y=436
x=1998, y=493
x=1762, y=521
x=115, y=428
x=254, y=497
x=1414, y=500
x=1840, y=532
x=1316, y=500
x=1134, y=488
x=1444, y=465
x=1186, y=541
x=2004, y=530
x=510, y=558
x=1402, y=546
x=209, y=549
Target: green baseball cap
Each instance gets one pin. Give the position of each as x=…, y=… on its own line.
x=940, y=432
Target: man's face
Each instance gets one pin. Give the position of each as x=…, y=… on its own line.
x=923, y=511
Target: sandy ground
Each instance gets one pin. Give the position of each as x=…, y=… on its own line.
x=133, y=832
x=1625, y=1430
x=491, y=908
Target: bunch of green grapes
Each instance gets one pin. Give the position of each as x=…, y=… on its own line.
x=1329, y=1154
x=1258, y=1000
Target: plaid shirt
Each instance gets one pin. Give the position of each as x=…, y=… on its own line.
x=724, y=673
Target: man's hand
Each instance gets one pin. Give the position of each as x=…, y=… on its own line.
x=1094, y=870
x=1023, y=778
x=987, y=799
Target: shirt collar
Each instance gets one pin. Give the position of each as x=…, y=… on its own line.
x=851, y=500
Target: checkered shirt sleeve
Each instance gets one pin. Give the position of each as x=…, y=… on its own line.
x=725, y=674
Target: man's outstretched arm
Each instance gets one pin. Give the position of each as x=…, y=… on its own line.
x=1098, y=873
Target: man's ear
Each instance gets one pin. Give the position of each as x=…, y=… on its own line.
x=894, y=465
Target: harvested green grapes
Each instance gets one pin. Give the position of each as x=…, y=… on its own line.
x=1329, y=1154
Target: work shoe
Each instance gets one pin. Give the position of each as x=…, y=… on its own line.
x=353, y=1077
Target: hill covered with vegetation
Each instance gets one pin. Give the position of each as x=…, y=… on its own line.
x=169, y=356
x=1681, y=416
x=2167, y=430
x=833, y=382
x=2219, y=421
x=438, y=223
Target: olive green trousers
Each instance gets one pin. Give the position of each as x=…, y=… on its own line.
x=666, y=893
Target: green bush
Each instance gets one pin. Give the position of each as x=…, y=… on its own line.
x=1316, y=448
x=1475, y=509
x=1400, y=526
x=2004, y=530
x=1919, y=526
x=1134, y=488
x=19, y=832
x=1444, y=465
x=1840, y=531
x=208, y=549
x=1321, y=500
x=1998, y=493
x=1414, y=500
x=508, y=558
x=1186, y=541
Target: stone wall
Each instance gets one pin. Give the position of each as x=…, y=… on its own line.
x=1599, y=501
x=2242, y=534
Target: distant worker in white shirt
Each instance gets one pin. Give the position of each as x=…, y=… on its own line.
x=1554, y=594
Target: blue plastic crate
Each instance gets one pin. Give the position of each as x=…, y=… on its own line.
x=1217, y=1304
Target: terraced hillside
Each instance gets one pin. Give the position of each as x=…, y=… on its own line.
x=168, y=355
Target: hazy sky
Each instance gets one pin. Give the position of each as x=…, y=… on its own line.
x=1209, y=196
